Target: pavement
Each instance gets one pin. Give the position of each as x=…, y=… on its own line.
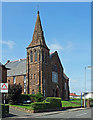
x=56, y=113
x=71, y=113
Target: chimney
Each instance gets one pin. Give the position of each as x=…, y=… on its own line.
x=7, y=61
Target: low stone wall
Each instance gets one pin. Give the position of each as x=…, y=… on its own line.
x=22, y=109
x=42, y=110
x=34, y=111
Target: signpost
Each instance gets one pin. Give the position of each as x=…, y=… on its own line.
x=4, y=89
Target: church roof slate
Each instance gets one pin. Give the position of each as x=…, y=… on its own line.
x=17, y=67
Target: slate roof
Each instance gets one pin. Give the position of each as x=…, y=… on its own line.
x=17, y=67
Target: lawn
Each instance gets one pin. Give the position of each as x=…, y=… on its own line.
x=71, y=103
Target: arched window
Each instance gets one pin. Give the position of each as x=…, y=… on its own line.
x=33, y=91
x=34, y=76
x=35, y=55
x=42, y=56
x=31, y=56
x=39, y=55
x=54, y=73
x=31, y=76
x=55, y=77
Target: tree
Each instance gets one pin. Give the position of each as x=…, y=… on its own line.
x=40, y=89
x=37, y=97
x=14, y=92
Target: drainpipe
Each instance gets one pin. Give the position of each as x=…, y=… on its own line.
x=28, y=73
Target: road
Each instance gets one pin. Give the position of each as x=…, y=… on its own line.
x=71, y=113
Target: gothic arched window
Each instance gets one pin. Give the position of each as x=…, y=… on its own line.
x=35, y=55
x=33, y=91
x=31, y=76
x=42, y=56
x=39, y=55
x=54, y=73
x=31, y=56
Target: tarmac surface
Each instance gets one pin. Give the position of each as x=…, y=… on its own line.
x=70, y=113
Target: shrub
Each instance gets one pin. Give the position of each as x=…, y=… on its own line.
x=55, y=102
x=90, y=99
x=14, y=92
x=36, y=97
x=5, y=110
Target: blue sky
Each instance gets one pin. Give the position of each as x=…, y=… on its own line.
x=67, y=29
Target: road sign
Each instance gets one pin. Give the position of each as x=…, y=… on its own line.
x=4, y=87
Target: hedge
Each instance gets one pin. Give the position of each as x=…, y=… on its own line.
x=50, y=102
x=54, y=101
x=5, y=110
x=40, y=105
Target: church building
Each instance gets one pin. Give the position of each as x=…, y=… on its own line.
x=40, y=70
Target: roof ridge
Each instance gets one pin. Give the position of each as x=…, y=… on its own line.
x=18, y=60
x=52, y=52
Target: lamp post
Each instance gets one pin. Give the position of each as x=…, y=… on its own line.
x=91, y=68
x=85, y=89
x=85, y=85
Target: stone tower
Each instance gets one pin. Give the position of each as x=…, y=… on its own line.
x=37, y=62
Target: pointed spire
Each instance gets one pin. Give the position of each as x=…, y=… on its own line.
x=38, y=37
x=38, y=12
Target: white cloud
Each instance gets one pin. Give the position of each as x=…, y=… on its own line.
x=69, y=46
x=55, y=47
x=10, y=44
x=73, y=81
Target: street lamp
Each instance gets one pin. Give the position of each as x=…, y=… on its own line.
x=91, y=68
x=85, y=89
x=85, y=85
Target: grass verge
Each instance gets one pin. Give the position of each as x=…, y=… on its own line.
x=27, y=106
